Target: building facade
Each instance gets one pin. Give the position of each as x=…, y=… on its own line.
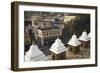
x=46, y=30
x=48, y=36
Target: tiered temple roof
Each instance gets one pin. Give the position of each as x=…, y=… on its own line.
x=84, y=37
x=74, y=41
x=35, y=54
x=58, y=47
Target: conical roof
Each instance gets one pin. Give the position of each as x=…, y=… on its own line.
x=74, y=41
x=58, y=47
x=35, y=54
x=84, y=36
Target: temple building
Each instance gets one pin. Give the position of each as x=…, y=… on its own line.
x=58, y=50
x=47, y=36
x=69, y=18
x=84, y=39
x=35, y=54
x=46, y=30
x=74, y=44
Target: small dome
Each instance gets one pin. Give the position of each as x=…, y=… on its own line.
x=74, y=41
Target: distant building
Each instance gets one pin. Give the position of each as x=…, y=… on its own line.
x=84, y=39
x=74, y=44
x=70, y=18
x=58, y=50
x=48, y=36
x=46, y=30
x=27, y=34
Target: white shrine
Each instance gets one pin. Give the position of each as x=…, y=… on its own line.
x=74, y=44
x=58, y=50
x=84, y=38
x=35, y=54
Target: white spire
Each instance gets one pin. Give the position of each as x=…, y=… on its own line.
x=58, y=47
x=74, y=41
x=35, y=54
x=84, y=36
